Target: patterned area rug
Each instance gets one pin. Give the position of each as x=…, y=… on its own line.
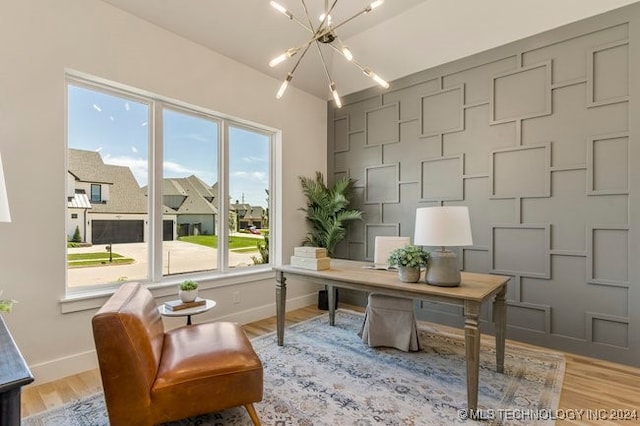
x=326, y=376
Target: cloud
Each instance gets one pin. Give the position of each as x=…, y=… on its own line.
x=144, y=124
x=253, y=176
x=97, y=108
x=127, y=106
x=134, y=149
x=252, y=159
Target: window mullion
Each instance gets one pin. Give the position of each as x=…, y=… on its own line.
x=223, y=196
x=155, y=191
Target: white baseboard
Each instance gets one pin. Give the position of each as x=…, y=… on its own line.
x=77, y=363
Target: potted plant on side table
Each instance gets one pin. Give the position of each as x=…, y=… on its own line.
x=409, y=259
x=188, y=291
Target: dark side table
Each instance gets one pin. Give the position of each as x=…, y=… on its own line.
x=14, y=373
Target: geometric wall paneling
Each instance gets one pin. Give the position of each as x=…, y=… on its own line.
x=607, y=330
x=608, y=74
x=410, y=143
x=521, y=172
x=341, y=134
x=408, y=98
x=537, y=139
x=529, y=317
x=477, y=80
x=358, y=157
x=520, y=94
x=373, y=230
x=569, y=55
x=477, y=260
x=483, y=211
x=607, y=164
x=381, y=184
x=403, y=212
x=441, y=179
x=441, y=112
x=608, y=255
x=521, y=250
x=382, y=125
x=571, y=124
x=356, y=112
x=478, y=139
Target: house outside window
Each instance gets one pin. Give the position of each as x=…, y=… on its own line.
x=96, y=193
x=165, y=193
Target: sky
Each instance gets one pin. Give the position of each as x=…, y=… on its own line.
x=118, y=128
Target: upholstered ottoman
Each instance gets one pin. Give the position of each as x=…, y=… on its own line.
x=390, y=321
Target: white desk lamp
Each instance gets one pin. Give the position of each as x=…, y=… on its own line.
x=444, y=227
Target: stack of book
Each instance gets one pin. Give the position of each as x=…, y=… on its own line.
x=314, y=258
x=177, y=305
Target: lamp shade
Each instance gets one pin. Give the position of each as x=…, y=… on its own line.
x=443, y=226
x=4, y=201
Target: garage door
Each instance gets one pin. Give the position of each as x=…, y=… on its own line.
x=117, y=231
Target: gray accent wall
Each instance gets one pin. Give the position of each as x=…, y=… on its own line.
x=539, y=138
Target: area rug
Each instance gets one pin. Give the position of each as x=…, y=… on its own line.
x=325, y=375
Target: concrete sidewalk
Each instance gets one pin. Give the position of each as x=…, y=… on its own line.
x=177, y=257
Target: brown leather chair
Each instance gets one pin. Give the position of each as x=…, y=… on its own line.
x=151, y=376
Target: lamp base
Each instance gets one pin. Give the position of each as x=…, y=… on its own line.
x=442, y=269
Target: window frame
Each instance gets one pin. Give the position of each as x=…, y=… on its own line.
x=99, y=199
x=223, y=274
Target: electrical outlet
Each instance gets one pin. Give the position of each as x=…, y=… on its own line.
x=236, y=297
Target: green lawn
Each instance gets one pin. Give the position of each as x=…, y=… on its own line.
x=79, y=260
x=235, y=243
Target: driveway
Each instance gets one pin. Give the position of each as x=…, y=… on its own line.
x=177, y=257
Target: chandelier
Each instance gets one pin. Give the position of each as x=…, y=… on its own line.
x=324, y=33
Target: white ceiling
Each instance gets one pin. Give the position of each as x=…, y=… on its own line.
x=396, y=39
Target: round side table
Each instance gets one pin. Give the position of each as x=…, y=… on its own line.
x=209, y=304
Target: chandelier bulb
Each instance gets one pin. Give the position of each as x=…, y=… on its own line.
x=336, y=97
x=282, y=57
x=374, y=4
x=375, y=77
x=284, y=85
x=347, y=53
x=280, y=8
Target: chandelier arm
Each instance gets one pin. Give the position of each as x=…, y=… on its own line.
x=324, y=64
x=326, y=18
x=363, y=11
x=306, y=12
x=366, y=70
x=304, y=52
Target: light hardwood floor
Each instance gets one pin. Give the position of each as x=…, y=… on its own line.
x=596, y=387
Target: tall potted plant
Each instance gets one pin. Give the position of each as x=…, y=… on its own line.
x=328, y=210
x=328, y=213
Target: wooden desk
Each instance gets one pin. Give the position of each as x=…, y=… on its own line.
x=472, y=292
x=14, y=374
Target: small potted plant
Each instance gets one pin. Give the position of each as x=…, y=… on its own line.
x=188, y=291
x=6, y=305
x=408, y=259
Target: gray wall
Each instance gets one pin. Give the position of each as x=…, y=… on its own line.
x=537, y=138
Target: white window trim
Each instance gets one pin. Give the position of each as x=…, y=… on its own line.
x=94, y=296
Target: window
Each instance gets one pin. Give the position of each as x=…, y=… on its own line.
x=190, y=198
x=96, y=193
x=74, y=215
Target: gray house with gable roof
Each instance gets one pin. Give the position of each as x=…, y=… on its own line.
x=106, y=203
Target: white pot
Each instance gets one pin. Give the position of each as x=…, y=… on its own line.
x=188, y=295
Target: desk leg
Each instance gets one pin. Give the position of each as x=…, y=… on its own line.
x=472, y=349
x=500, y=323
x=331, y=293
x=281, y=298
x=188, y=319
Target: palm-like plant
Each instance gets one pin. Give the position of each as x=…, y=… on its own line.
x=327, y=210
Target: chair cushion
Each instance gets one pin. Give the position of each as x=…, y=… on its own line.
x=390, y=321
x=213, y=359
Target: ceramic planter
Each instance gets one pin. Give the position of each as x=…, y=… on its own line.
x=408, y=275
x=188, y=295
